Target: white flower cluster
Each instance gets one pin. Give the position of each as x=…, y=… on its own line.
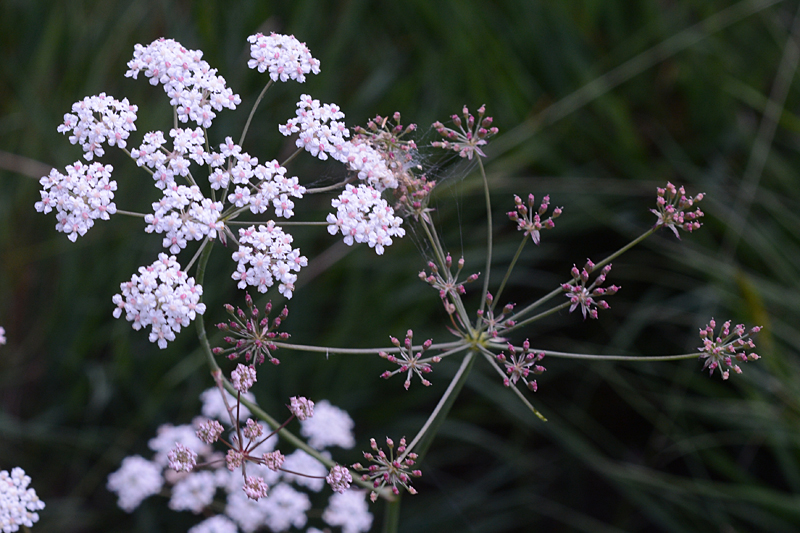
x=283, y=507
x=282, y=55
x=363, y=216
x=18, y=503
x=136, y=479
x=116, y=121
x=79, y=198
x=257, y=186
x=2, y=335
x=184, y=214
x=330, y=426
x=187, y=145
x=266, y=255
x=322, y=134
x=194, y=88
x=350, y=511
x=161, y=296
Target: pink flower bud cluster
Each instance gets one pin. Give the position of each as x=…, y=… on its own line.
x=339, y=479
x=250, y=335
x=301, y=407
x=722, y=352
x=363, y=216
x=183, y=214
x=495, y=324
x=194, y=88
x=243, y=378
x=447, y=284
x=408, y=361
x=471, y=136
x=84, y=195
x=162, y=297
x=182, y=458
x=389, y=470
x=283, y=56
x=585, y=297
x=98, y=120
x=673, y=209
x=520, y=364
x=530, y=220
x=265, y=255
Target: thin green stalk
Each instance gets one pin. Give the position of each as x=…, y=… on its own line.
x=508, y=272
x=362, y=351
x=489, y=232
x=253, y=112
x=442, y=408
x=593, y=357
x=555, y=292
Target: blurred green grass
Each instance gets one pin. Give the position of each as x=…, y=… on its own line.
x=598, y=102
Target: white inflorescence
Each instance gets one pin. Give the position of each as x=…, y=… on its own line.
x=116, y=121
x=363, y=216
x=18, y=503
x=182, y=215
x=136, y=479
x=330, y=426
x=283, y=56
x=349, y=510
x=264, y=256
x=193, y=86
x=84, y=195
x=161, y=296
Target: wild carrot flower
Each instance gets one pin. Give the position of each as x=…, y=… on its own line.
x=363, y=216
x=80, y=197
x=723, y=351
x=283, y=56
x=389, y=470
x=471, y=136
x=581, y=295
x=2, y=335
x=161, y=296
x=136, y=479
x=243, y=377
x=673, y=209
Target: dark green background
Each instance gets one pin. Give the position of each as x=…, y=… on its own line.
x=598, y=102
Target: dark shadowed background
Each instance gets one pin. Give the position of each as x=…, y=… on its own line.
x=598, y=102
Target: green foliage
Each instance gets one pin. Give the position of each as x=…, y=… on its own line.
x=598, y=103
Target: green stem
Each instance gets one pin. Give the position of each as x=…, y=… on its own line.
x=440, y=412
x=362, y=351
x=489, y=234
x=391, y=518
x=253, y=112
x=508, y=272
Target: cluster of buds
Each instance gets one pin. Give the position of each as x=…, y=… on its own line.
x=493, y=322
x=251, y=336
x=673, y=209
x=408, y=361
x=520, y=363
x=449, y=284
x=722, y=352
x=468, y=140
x=581, y=295
x=530, y=220
x=389, y=470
